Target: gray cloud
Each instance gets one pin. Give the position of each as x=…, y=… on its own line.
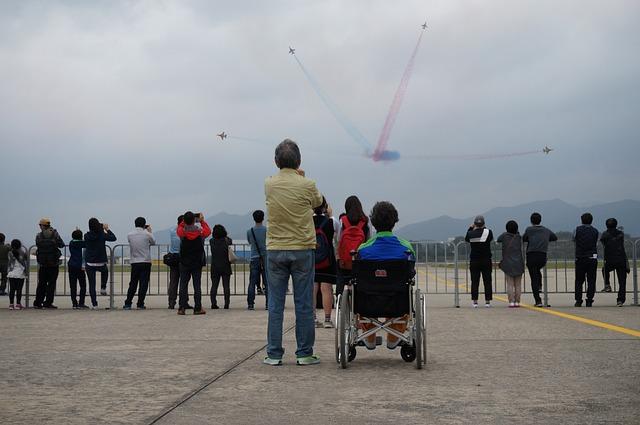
x=111, y=108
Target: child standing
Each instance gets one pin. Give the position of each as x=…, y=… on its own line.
x=76, y=269
x=16, y=272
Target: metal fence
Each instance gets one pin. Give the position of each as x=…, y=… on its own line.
x=442, y=268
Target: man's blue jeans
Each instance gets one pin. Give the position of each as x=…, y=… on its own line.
x=255, y=274
x=300, y=266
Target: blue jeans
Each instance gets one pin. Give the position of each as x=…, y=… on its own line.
x=254, y=280
x=300, y=266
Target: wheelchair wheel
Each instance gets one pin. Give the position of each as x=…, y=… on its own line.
x=408, y=353
x=352, y=353
x=418, y=339
x=337, y=330
x=344, y=328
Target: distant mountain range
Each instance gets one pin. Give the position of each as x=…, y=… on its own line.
x=556, y=215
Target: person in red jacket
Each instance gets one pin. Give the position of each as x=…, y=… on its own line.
x=192, y=232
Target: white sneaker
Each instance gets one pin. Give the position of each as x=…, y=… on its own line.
x=474, y=305
x=512, y=305
x=11, y=307
x=318, y=324
x=487, y=305
x=327, y=324
x=94, y=307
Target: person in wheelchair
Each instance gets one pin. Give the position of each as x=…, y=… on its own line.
x=385, y=246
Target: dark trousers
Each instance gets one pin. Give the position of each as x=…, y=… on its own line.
x=174, y=283
x=256, y=272
x=186, y=274
x=15, y=289
x=477, y=268
x=215, y=282
x=140, y=273
x=535, y=263
x=586, y=269
x=91, y=277
x=621, y=272
x=46, y=289
x=3, y=278
x=77, y=276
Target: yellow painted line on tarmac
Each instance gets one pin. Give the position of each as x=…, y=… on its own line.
x=547, y=310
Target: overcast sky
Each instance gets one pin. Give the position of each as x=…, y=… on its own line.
x=110, y=108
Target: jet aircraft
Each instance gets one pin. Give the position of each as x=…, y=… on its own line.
x=546, y=150
x=292, y=51
x=222, y=136
x=424, y=26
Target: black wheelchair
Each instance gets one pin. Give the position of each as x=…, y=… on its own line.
x=381, y=289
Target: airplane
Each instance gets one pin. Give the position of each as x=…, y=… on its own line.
x=222, y=136
x=546, y=150
x=424, y=26
x=292, y=51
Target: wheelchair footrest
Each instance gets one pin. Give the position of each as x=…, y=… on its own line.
x=378, y=341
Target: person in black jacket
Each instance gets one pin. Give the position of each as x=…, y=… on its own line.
x=615, y=258
x=586, y=240
x=220, y=265
x=480, y=260
x=48, y=256
x=95, y=256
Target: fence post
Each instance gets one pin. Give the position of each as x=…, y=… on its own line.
x=456, y=289
x=545, y=287
x=26, y=290
x=112, y=266
x=635, y=272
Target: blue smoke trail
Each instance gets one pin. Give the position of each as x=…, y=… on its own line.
x=337, y=114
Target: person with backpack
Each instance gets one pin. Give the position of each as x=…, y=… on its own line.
x=48, y=243
x=257, y=237
x=220, y=244
x=615, y=258
x=192, y=231
x=325, y=261
x=17, y=269
x=96, y=257
x=353, y=231
x=172, y=260
x=76, y=270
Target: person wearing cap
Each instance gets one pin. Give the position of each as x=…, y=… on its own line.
x=48, y=243
x=615, y=259
x=479, y=237
x=537, y=238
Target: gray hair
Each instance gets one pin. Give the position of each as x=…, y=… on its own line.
x=288, y=155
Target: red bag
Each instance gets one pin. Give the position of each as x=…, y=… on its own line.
x=350, y=239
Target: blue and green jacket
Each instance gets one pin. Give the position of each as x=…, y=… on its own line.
x=386, y=246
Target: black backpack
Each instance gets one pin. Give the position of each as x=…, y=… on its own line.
x=48, y=253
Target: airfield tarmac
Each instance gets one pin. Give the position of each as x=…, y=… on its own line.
x=495, y=365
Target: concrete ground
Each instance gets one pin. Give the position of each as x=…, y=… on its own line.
x=495, y=365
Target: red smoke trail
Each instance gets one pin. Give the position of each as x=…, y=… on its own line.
x=396, y=104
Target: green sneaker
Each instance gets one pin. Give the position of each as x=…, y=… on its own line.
x=308, y=360
x=272, y=362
